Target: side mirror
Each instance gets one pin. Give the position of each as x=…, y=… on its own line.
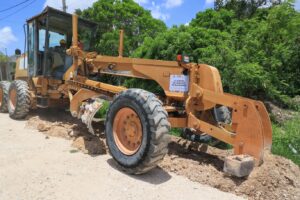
x=17, y=52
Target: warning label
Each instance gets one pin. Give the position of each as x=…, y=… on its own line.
x=179, y=83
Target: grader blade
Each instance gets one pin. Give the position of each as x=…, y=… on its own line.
x=250, y=131
x=267, y=127
x=264, y=117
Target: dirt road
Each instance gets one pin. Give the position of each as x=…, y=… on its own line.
x=34, y=167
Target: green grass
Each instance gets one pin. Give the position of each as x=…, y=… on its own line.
x=286, y=137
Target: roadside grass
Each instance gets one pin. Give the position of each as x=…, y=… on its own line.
x=286, y=140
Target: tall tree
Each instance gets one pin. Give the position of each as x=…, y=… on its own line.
x=244, y=8
x=113, y=15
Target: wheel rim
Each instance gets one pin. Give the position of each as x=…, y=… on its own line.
x=1, y=97
x=12, y=99
x=127, y=131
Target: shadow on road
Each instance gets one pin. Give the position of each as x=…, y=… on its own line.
x=156, y=176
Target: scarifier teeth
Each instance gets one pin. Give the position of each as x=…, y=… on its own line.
x=89, y=110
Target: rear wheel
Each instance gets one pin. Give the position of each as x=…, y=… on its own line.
x=137, y=130
x=4, y=87
x=19, y=99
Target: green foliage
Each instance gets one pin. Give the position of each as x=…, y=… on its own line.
x=253, y=74
x=211, y=19
x=3, y=58
x=286, y=139
x=166, y=45
x=176, y=132
x=258, y=55
x=101, y=114
x=113, y=15
x=244, y=8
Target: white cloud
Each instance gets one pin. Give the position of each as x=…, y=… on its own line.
x=207, y=2
x=142, y=1
x=72, y=4
x=157, y=12
x=6, y=36
x=173, y=3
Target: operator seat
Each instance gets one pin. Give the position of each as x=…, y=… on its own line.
x=61, y=62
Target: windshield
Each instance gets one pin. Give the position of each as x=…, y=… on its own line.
x=55, y=38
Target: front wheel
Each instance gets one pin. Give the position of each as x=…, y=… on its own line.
x=19, y=99
x=137, y=130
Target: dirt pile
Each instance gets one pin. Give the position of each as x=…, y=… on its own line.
x=67, y=127
x=278, y=114
x=277, y=178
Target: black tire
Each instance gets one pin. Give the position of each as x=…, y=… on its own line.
x=155, y=126
x=20, y=108
x=4, y=87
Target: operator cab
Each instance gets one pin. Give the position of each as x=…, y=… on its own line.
x=49, y=35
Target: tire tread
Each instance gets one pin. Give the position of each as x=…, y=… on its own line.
x=23, y=100
x=159, y=129
x=4, y=86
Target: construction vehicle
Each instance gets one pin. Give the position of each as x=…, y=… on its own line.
x=137, y=122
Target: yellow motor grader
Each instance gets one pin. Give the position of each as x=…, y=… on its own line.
x=57, y=70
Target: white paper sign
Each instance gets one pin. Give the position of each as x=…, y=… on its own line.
x=179, y=83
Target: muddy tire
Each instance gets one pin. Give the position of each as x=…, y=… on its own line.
x=19, y=99
x=4, y=87
x=146, y=143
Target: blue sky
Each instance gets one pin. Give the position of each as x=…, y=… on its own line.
x=11, y=21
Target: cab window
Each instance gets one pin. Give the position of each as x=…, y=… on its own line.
x=55, y=38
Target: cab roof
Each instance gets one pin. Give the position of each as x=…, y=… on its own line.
x=61, y=20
